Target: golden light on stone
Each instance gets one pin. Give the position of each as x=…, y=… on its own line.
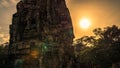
x=34, y=54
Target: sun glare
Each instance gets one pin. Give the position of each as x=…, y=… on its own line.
x=84, y=23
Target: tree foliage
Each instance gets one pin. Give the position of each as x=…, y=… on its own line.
x=104, y=47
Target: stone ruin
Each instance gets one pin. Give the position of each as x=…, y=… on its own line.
x=41, y=35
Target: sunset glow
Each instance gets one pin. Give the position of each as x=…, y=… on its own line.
x=100, y=14
x=84, y=23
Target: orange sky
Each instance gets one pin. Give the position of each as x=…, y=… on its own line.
x=100, y=12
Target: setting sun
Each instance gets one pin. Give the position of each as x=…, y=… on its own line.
x=84, y=23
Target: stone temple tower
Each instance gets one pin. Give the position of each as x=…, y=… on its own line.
x=41, y=34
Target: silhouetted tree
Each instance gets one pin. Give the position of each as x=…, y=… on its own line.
x=104, y=50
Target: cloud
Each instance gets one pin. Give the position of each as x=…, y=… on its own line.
x=0, y=28
x=1, y=35
x=7, y=8
x=4, y=3
x=4, y=38
x=14, y=1
x=8, y=3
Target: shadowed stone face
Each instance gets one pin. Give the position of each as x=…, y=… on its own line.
x=48, y=25
x=35, y=17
